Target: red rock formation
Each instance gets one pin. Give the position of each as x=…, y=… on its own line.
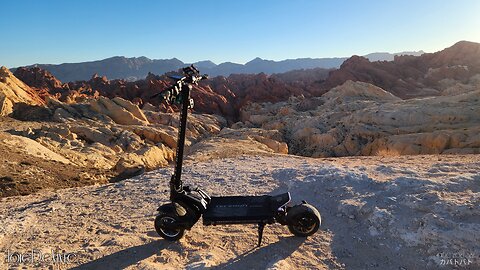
x=405, y=77
x=219, y=95
x=13, y=91
x=39, y=78
x=410, y=76
x=42, y=81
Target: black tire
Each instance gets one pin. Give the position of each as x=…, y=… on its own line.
x=303, y=220
x=167, y=233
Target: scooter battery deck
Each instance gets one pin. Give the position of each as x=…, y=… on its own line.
x=238, y=209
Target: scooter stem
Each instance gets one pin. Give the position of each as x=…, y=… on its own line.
x=176, y=184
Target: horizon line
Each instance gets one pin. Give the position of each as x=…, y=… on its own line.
x=204, y=60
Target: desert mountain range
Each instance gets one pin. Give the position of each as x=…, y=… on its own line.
x=136, y=68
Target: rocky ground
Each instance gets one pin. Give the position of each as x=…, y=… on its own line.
x=26, y=166
x=76, y=152
x=408, y=212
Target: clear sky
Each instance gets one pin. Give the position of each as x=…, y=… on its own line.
x=227, y=30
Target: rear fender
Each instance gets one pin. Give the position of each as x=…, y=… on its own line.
x=299, y=209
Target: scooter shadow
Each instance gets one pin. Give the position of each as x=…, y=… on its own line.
x=255, y=258
x=125, y=258
x=264, y=256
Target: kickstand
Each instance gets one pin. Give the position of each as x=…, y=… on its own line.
x=261, y=225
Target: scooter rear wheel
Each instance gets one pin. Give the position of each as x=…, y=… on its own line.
x=303, y=220
x=171, y=234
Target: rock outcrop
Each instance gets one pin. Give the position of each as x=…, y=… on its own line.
x=236, y=142
x=42, y=81
x=361, y=119
x=117, y=140
x=120, y=110
x=145, y=159
x=13, y=91
x=33, y=148
x=357, y=110
x=413, y=76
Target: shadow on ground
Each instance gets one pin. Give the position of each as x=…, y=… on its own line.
x=252, y=259
x=255, y=257
x=124, y=258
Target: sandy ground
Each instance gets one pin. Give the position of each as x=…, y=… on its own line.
x=408, y=212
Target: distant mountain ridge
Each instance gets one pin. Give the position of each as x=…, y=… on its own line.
x=135, y=68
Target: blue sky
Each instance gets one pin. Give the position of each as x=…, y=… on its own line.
x=237, y=31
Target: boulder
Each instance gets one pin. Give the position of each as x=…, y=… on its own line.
x=54, y=103
x=155, y=156
x=62, y=116
x=122, y=112
x=156, y=135
x=276, y=146
x=93, y=135
x=128, y=140
x=147, y=158
x=34, y=148
x=129, y=165
x=270, y=138
x=359, y=90
x=132, y=108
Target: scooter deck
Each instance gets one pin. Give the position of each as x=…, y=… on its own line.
x=243, y=209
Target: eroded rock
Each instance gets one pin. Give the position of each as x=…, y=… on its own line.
x=361, y=119
x=121, y=111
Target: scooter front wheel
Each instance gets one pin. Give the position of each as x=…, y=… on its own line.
x=303, y=220
x=162, y=222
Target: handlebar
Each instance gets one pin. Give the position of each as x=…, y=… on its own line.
x=191, y=76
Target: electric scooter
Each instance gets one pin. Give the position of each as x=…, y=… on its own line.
x=189, y=204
